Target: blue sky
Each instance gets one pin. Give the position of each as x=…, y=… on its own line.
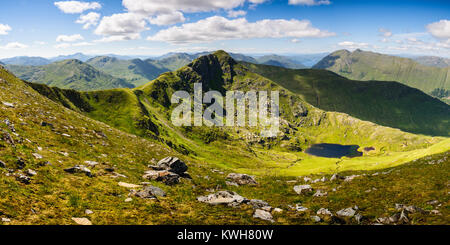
x=154, y=27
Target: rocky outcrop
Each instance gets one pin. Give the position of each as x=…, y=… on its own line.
x=223, y=197
x=242, y=179
x=169, y=171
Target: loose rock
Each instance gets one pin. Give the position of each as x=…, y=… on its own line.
x=223, y=197
x=258, y=204
x=82, y=221
x=79, y=169
x=168, y=178
x=348, y=212
x=172, y=164
x=31, y=172
x=242, y=179
x=23, y=179
x=303, y=189
x=262, y=214
x=127, y=185
x=324, y=211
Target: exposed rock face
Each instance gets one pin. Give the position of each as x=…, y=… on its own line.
x=79, y=169
x=172, y=164
x=303, y=189
x=242, y=179
x=223, y=197
x=169, y=171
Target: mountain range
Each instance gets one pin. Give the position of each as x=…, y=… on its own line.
x=433, y=61
x=66, y=152
x=362, y=65
x=71, y=74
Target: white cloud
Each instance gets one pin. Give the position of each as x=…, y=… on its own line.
x=168, y=19
x=234, y=14
x=353, y=45
x=14, y=45
x=68, y=45
x=295, y=40
x=220, y=28
x=4, y=29
x=108, y=39
x=440, y=30
x=76, y=7
x=309, y=2
x=385, y=32
x=156, y=7
x=89, y=20
x=72, y=38
x=118, y=27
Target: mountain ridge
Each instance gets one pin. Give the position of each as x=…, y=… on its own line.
x=363, y=65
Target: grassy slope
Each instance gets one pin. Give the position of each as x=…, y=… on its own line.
x=136, y=72
x=53, y=196
x=386, y=103
x=361, y=65
x=70, y=74
x=152, y=101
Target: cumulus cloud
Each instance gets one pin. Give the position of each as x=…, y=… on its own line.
x=353, y=45
x=220, y=28
x=156, y=7
x=4, y=29
x=168, y=19
x=385, y=32
x=76, y=7
x=89, y=20
x=118, y=27
x=72, y=38
x=440, y=30
x=14, y=45
x=237, y=13
x=309, y=2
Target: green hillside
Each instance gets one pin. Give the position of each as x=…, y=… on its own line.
x=362, y=65
x=70, y=74
x=386, y=103
x=46, y=138
x=136, y=71
x=146, y=111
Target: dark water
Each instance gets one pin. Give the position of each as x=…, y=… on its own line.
x=334, y=150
